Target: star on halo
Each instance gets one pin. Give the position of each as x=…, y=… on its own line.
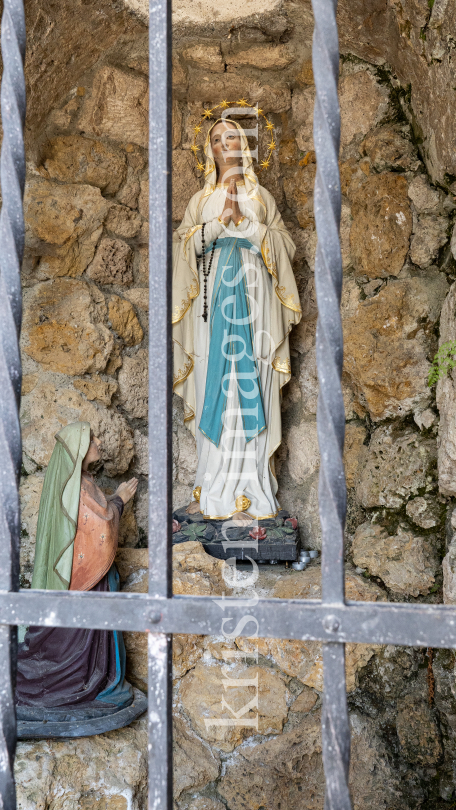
x=194, y=148
x=200, y=166
x=264, y=164
x=224, y=103
x=259, y=112
x=269, y=126
x=272, y=145
x=197, y=129
x=243, y=102
x=207, y=113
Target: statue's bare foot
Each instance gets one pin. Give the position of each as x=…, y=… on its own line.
x=241, y=519
x=193, y=508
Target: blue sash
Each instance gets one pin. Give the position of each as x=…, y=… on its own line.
x=231, y=341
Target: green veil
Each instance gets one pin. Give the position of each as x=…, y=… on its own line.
x=59, y=506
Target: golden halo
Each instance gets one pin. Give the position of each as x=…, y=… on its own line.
x=209, y=113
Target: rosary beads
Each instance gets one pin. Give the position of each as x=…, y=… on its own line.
x=206, y=272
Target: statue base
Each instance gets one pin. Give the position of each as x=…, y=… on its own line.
x=77, y=721
x=277, y=539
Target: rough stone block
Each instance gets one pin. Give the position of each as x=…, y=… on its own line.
x=64, y=327
x=112, y=263
x=117, y=107
x=73, y=159
x=382, y=225
x=405, y=562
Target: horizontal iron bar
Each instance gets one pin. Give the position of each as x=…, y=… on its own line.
x=362, y=622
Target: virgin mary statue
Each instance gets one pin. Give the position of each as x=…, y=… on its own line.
x=234, y=303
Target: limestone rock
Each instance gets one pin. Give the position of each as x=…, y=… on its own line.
x=139, y=297
x=355, y=453
x=73, y=159
x=208, y=57
x=128, y=528
x=263, y=57
x=95, y=388
x=141, y=465
x=124, y=321
x=303, y=659
x=194, y=764
x=382, y=224
x=304, y=456
x=288, y=770
x=307, y=585
x=303, y=106
x=405, y=562
x=373, y=779
x=363, y=101
x=105, y=770
x=187, y=651
x=57, y=407
x=308, y=378
x=197, y=573
x=305, y=701
x=397, y=467
x=426, y=199
x=30, y=494
x=389, y=147
x=204, y=803
x=449, y=575
x=117, y=107
x=122, y=221
x=188, y=459
x=129, y=193
x=386, y=345
x=185, y=12
x=429, y=236
x=446, y=403
x=425, y=512
x=418, y=731
x=132, y=564
x=185, y=183
x=137, y=663
x=63, y=225
x=112, y=263
x=143, y=199
x=134, y=385
x=299, y=193
x=279, y=772
x=256, y=694
x=64, y=327
x=271, y=98
x=176, y=124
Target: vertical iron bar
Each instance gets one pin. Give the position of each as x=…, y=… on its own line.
x=12, y=180
x=330, y=412
x=160, y=386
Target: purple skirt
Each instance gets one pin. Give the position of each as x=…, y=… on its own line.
x=57, y=666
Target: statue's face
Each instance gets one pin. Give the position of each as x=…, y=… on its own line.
x=226, y=144
x=93, y=453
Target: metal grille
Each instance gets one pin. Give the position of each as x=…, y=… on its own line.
x=333, y=620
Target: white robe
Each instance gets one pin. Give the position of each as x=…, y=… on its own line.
x=235, y=467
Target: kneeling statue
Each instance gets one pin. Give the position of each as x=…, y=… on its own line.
x=76, y=542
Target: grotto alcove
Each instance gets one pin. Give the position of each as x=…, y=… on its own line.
x=84, y=350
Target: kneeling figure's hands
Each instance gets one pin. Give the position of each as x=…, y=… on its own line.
x=127, y=490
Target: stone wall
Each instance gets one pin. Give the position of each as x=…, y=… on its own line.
x=84, y=349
